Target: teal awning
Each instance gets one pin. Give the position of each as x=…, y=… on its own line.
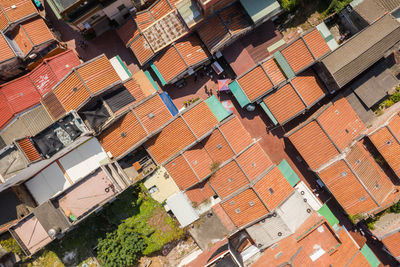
x=288, y=172
x=158, y=73
x=370, y=256
x=284, y=65
x=217, y=108
x=152, y=81
x=269, y=113
x=329, y=216
x=260, y=9
x=239, y=94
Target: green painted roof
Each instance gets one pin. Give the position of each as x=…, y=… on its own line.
x=217, y=108
x=269, y=113
x=260, y=9
x=155, y=85
x=124, y=66
x=288, y=172
x=370, y=256
x=158, y=73
x=240, y=96
x=284, y=65
x=327, y=213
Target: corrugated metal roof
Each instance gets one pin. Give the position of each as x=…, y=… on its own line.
x=217, y=108
x=20, y=94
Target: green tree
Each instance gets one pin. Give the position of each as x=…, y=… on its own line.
x=123, y=247
x=290, y=5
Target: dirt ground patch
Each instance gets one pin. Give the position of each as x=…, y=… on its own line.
x=158, y=220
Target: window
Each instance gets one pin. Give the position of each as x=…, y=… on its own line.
x=253, y=164
x=237, y=210
x=343, y=174
x=358, y=161
x=194, y=162
x=232, y=203
x=377, y=186
x=230, y=180
x=219, y=146
x=151, y=115
x=347, y=131
x=271, y=191
x=389, y=142
x=363, y=199
x=153, y=189
x=251, y=203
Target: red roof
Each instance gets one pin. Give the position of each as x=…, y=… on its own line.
x=26, y=91
x=5, y=111
x=297, y=55
x=316, y=43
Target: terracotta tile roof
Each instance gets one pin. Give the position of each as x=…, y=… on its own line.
x=386, y=141
x=285, y=97
x=202, y=259
x=37, y=31
x=273, y=188
x=24, y=8
x=316, y=43
x=71, y=92
x=134, y=88
x=200, y=119
x=98, y=74
x=358, y=260
x=20, y=94
x=144, y=19
x=255, y=83
x=21, y=39
x=192, y=50
x=216, y=31
x=185, y=54
x=153, y=113
x=217, y=147
x=392, y=244
x=200, y=193
x=181, y=172
x=346, y=251
x=142, y=50
x=128, y=32
x=213, y=32
x=273, y=71
x=173, y=138
x=5, y=110
x=3, y=20
x=53, y=105
x=309, y=87
x=237, y=136
x=341, y=123
x=363, y=163
x=5, y=50
x=163, y=64
x=235, y=18
x=122, y=135
x=346, y=188
x=199, y=159
x=228, y=180
x=29, y=149
x=254, y=161
x=313, y=145
x=297, y=55
x=244, y=208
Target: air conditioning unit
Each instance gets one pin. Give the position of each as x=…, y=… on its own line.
x=32, y=56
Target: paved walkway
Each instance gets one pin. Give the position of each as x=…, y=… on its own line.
x=108, y=43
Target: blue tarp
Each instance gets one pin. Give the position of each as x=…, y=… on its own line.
x=168, y=102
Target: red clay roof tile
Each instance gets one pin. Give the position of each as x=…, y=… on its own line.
x=297, y=55
x=200, y=193
x=316, y=43
x=199, y=159
x=255, y=83
x=200, y=119
x=254, y=161
x=309, y=87
x=29, y=149
x=228, y=179
x=217, y=147
x=237, y=136
x=284, y=103
x=181, y=172
x=273, y=70
x=392, y=244
x=244, y=208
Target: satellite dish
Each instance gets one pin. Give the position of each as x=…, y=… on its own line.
x=53, y=232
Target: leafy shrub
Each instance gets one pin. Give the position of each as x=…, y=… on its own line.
x=395, y=208
x=11, y=245
x=290, y=5
x=122, y=247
